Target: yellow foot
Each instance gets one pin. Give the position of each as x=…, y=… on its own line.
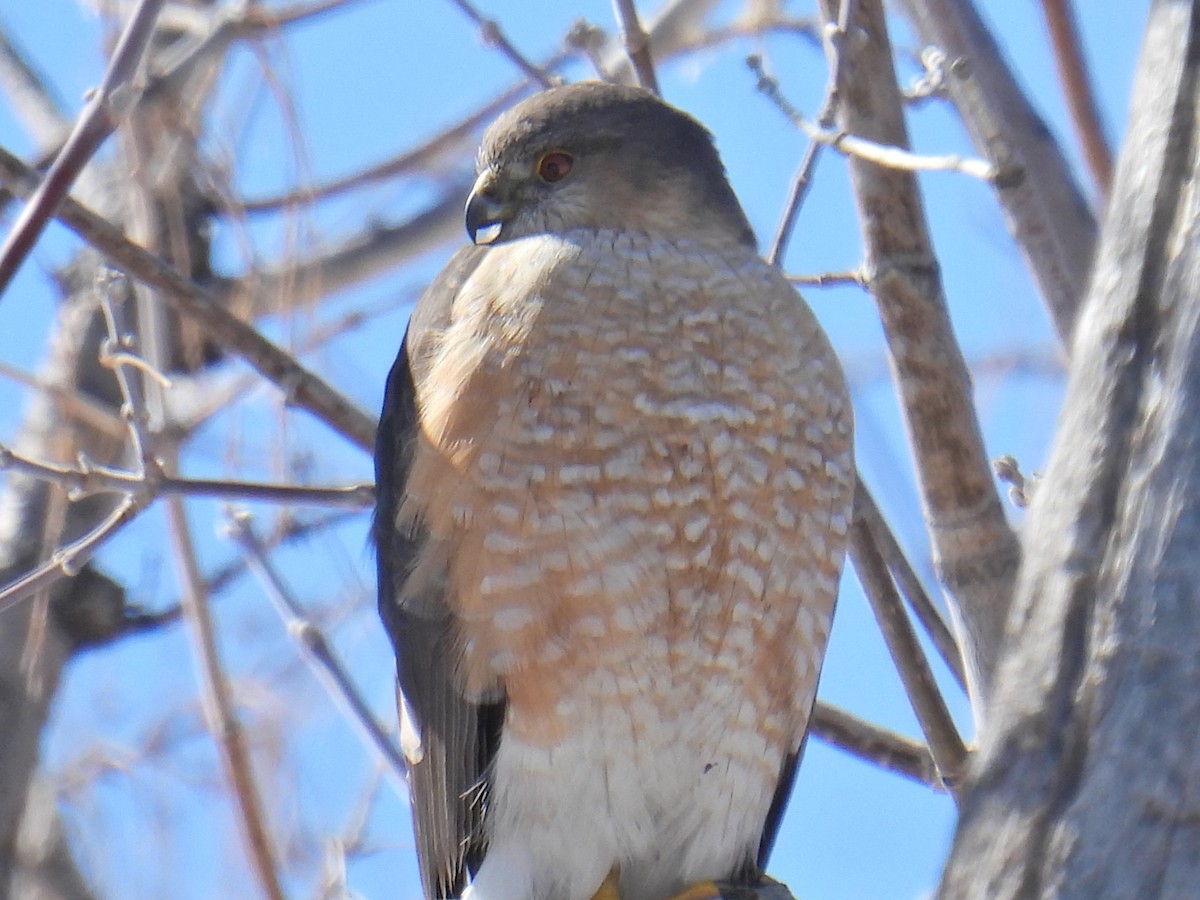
x=608, y=890
x=701, y=890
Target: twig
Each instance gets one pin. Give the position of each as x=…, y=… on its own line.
x=802, y=180
x=887, y=155
x=219, y=712
x=73, y=405
x=636, y=43
x=300, y=387
x=878, y=746
x=108, y=104
x=87, y=479
x=492, y=36
x=30, y=95
x=910, y=585
x=831, y=279
x=139, y=620
x=1077, y=87
x=325, y=664
x=69, y=559
x=945, y=744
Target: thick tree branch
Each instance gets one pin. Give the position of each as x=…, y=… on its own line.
x=975, y=551
x=109, y=103
x=1087, y=777
x=1046, y=214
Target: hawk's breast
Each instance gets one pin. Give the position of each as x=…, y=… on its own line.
x=642, y=468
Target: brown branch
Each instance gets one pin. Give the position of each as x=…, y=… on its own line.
x=301, y=388
x=877, y=746
x=636, y=43
x=1045, y=211
x=906, y=578
x=975, y=552
x=945, y=744
x=802, y=180
x=108, y=104
x=219, y=711
x=1077, y=88
x=87, y=479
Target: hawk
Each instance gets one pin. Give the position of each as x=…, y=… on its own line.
x=615, y=474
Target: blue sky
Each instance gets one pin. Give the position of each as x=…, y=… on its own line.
x=367, y=83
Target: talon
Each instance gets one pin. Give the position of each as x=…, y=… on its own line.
x=701, y=890
x=608, y=890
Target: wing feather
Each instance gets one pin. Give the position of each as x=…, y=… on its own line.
x=456, y=738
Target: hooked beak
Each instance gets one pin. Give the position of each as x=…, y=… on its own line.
x=486, y=211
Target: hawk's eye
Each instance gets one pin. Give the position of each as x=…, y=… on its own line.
x=554, y=166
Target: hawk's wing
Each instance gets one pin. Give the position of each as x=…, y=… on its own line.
x=457, y=737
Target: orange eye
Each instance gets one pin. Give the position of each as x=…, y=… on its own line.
x=554, y=166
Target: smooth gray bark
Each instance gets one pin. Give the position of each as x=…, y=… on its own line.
x=1087, y=784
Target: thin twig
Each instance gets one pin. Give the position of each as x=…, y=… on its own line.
x=878, y=746
x=1077, y=87
x=108, y=104
x=636, y=43
x=910, y=585
x=831, y=279
x=309, y=637
x=492, y=36
x=945, y=744
x=31, y=95
x=219, y=711
x=69, y=559
x=802, y=180
x=88, y=479
x=301, y=387
x=454, y=138
x=886, y=155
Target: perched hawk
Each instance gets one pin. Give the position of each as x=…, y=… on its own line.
x=614, y=477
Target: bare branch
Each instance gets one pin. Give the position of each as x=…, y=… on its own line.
x=831, y=279
x=872, y=744
x=325, y=664
x=219, y=711
x=1046, y=214
x=906, y=578
x=944, y=742
x=69, y=560
x=492, y=36
x=636, y=43
x=888, y=155
x=1077, y=87
x=108, y=104
x=975, y=551
x=301, y=387
x=87, y=479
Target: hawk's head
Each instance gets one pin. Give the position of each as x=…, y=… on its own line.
x=593, y=155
